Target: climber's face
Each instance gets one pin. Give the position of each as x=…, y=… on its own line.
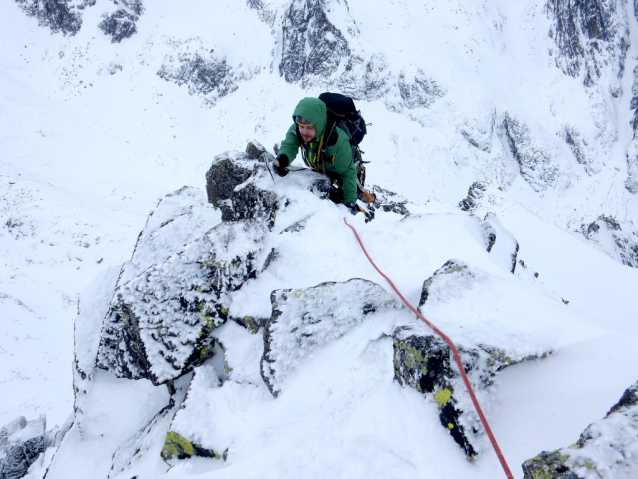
x=308, y=132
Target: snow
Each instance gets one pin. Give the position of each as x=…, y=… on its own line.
x=86, y=154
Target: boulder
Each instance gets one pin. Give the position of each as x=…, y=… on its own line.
x=309, y=318
x=608, y=448
x=21, y=442
x=175, y=290
x=424, y=361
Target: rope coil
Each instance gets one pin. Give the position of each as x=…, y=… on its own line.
x=455, y=352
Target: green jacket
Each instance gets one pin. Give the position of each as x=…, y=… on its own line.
x=337, y=160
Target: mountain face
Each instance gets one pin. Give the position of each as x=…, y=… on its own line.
x=237, y=330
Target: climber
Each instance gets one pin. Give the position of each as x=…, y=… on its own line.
x=330, y=156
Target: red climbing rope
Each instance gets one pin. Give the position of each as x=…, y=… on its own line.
x=455, y=352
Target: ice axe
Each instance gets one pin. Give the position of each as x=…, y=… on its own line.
x=267, y=157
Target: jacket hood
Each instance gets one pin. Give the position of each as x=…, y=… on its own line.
x=313, y=110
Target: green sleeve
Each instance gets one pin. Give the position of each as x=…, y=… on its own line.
x=290, y=145
x=345, y=168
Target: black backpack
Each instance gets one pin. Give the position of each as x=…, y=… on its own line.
x=343, y=113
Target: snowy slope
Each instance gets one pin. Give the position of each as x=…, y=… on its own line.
x=457, y=92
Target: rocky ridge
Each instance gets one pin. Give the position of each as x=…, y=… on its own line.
x=166, y=317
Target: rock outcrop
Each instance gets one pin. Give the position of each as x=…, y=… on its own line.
x=535, y=160
x=174, y=291
x=590, y=36
x=21, y=442
x=608, y=234
x=632, y=152
x=311, y=45
x=121, y=23
x=606, y=449
x=425, y=362
x=201, y=70
x=57, y=15
x=475, y=193
x=305, y=319
x=418, y=90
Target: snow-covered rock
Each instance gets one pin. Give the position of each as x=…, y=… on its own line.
x=425, y=362
x=312, y=46
x=58, y=15
x=120, y=24
x=305, y=319
x=607, y=449
x=21, y=442
x=200, y=69
x=535, y=158
x=591, y=36
x=174, y=291
x=608, y=234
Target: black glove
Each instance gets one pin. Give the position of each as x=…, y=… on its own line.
x=354, y=209
x=279, y=170
x=283, y=163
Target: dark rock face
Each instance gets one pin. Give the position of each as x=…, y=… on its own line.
x=312, y=45
x=534, y=160
x=389, y=201
x=174, y=292
x=55, y=14
x=121, y=23
x=506, y=250
x=21, y=442
x=202, y=72
x=626, y=243
x=365, y=79
x=418, y=90
x=265, y=14
x=579, y=148
x=423, y=361
x=309, y=318
x=604, y=449
x=589, y=35
x=474, y=195
x=247, y=203
x=489, y=235
x=632, y=154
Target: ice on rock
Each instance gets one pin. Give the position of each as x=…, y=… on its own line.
x=306, y=319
